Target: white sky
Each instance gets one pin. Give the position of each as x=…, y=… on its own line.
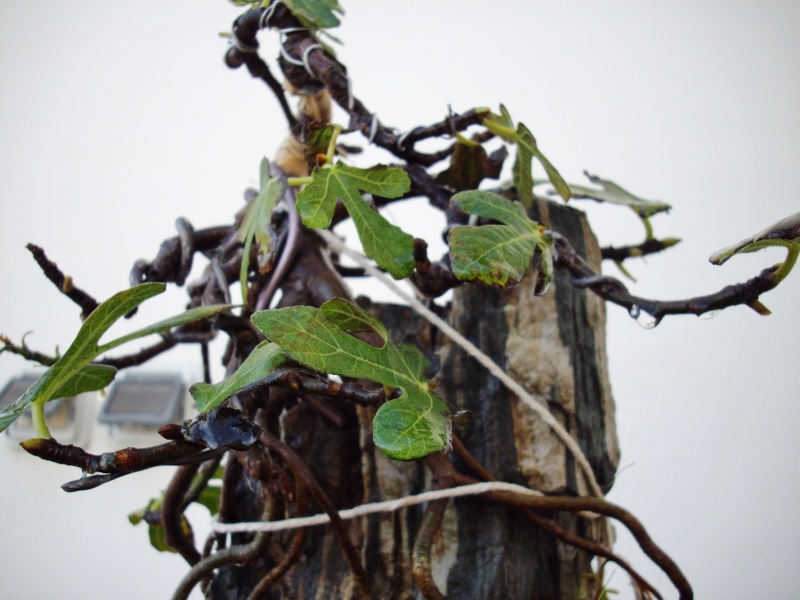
x=115, y=118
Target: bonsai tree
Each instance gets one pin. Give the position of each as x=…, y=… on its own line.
x=332, y=404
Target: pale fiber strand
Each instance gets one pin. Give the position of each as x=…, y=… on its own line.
x=375, y=507
x=536, y=406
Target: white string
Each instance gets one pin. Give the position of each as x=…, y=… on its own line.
x=350, y=99
x=288, y=30
x=375, y=507
x=306, y=64
x=267, y=15
x=402, y=139
x=241, y=46
x=291, y=59
x=536, y=406
x=373, y=127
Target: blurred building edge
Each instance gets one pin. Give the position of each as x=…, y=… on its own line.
x=138, y=404
x=69, y=419
x=135, y=406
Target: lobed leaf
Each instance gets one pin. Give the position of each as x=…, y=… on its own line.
x=615, y=194
x=389, y=246
x=409, y=427
x=782, y=233
x=496, y=255
x=260, y=366
x=316, y=13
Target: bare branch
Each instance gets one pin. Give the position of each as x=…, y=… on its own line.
x=614, y=291
x=63, y=282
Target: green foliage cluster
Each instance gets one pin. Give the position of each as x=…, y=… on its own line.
x=334, y=339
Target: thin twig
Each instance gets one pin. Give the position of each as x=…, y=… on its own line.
x=289, y=559
x=322, y=67
x=363, y=510
x=301, y=471
x=421, y=555
x=261, y=590
x=614, y=291
x=260, y=70
x=200, y=482
x=651, y=246
x=142, y=356
x=25, y=352
x=172, y=514
x=551, y=526
x=63, y=282
x=347, y=390
x=600, y=506
x=235, y=554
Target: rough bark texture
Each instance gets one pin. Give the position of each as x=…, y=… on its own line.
x=555, y=346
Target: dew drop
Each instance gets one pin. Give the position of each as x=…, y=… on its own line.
x=710, y=314
x=643, y=318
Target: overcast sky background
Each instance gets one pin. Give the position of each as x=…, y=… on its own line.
x=115, y=118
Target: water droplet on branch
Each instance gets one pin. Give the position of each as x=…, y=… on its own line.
x=643, y=318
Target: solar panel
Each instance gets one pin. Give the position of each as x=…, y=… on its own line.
x=60, y=414
x=144, y=400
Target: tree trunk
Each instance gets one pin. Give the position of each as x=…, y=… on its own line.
x=554, y=345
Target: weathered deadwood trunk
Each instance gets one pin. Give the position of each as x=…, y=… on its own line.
x=555, y=346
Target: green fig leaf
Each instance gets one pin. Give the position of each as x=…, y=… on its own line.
x=407, y=428
x=389, y=246
x=72, y=373
x=614, y=194
x=316, y=13
x=346, y=315
x=262, y=365
x=88, y=379
x=497, y=255
x=82, y=351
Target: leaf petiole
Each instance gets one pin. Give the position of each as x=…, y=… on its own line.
x=337, y=129
x=298, y=181
x=39, y=424
x=466, y=141
x=502, y=131
x=648, y=228
x=793, y=250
